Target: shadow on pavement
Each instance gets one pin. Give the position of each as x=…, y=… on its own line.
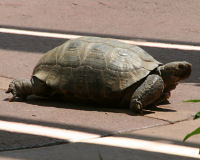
x=51, y=102
x=86, y=151
x=28, y=43
x=197, y=84
x=83, y=150
x=13, y=141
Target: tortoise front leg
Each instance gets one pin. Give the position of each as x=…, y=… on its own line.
x=147, y=93
x=163, y=98
x=166, y=93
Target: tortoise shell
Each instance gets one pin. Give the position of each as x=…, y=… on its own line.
x=94, y=66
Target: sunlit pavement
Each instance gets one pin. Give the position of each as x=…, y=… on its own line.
x=46, y=129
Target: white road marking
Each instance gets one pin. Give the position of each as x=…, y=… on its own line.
x=90, y=138
x=52, y=132
x=70, y=36
x=39, y=34
x=145, y=145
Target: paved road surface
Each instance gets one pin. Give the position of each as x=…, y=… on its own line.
x=87, y=132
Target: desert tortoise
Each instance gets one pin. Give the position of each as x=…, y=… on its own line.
x=104, y=71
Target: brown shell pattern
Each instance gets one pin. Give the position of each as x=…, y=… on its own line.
x=92, y=65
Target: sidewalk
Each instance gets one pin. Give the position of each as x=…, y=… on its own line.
x=45, y=129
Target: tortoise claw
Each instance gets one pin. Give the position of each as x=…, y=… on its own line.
x=11, y=89
x=11, y=99
x=8, y=91
x=136, y=106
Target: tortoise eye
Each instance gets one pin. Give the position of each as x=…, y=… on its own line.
x=180, y=66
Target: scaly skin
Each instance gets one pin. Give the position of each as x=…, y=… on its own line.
x=156, y=88
x=20, y=88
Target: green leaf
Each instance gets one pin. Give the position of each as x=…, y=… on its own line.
x=197, y=131
x=197, y=115
x=193, y=100
x=100, y=157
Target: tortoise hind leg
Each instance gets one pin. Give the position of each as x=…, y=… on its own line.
x=20, y=88
x=147, y=93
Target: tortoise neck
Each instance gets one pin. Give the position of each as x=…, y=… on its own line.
x=166, y=76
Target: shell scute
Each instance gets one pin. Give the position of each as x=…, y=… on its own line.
x=96, y=65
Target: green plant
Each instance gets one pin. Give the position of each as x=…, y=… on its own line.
x=100, y=157
x=197, y=115
x=196, y=131
x=193, y=100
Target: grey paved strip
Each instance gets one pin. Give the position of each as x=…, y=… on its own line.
x=71, y=36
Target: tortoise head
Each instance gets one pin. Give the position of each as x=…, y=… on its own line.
x=175, y=71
